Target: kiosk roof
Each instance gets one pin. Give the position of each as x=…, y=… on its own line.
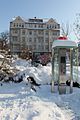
x=64, y=44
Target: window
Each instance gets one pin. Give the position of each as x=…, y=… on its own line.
x=47, y=40
x=11, y=24
x=39, y=26
x=54, y=33
x=46, y=47
x=42, y=47
x=58, y=33
x=40, y=32
x=19, y=25
x=34, y=47
x=15, y=38
x=23, y=39
x=52, y=26
x=23, y=32
x=30, y=25
x=47, y=33
x=55, y=26
x=30, y=39
x=39, y=46
x=51, y=45
x=15, y=31
x=35, y=40
x=22, y=25
x=49, y=26
x=14, y=24
x=58, y=26
x=35, y=32
x=16, y=47
x=35, y=26
x=30, y=32
x=40, y=39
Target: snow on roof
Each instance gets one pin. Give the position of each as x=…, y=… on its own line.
x=64, y=43
x=44, y=20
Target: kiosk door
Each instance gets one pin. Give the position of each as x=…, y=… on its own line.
x=62, y=71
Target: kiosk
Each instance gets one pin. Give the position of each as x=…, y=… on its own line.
x=62, y=57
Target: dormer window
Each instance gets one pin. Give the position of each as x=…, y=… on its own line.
x=17, y=24
x=23, y=25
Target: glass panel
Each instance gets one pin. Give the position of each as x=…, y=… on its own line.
x=56, y=68
x=75, y=65
x=68, y=65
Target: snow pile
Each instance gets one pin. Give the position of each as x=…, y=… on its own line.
x=26, y=68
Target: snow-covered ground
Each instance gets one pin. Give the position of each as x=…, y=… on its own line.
x=18, y=102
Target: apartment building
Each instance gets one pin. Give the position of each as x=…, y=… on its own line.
x=35, y=34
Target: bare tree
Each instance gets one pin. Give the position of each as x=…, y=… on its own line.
x=4, y=35
x=65, y=31
x=76, y=26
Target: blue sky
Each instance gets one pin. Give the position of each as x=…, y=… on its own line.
x=64, y=11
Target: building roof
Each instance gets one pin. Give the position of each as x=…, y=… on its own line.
x=34, y=20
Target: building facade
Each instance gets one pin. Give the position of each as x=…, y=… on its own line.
x=35, y=35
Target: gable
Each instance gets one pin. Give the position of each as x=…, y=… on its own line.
x=51, y=21
x=18, y=20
